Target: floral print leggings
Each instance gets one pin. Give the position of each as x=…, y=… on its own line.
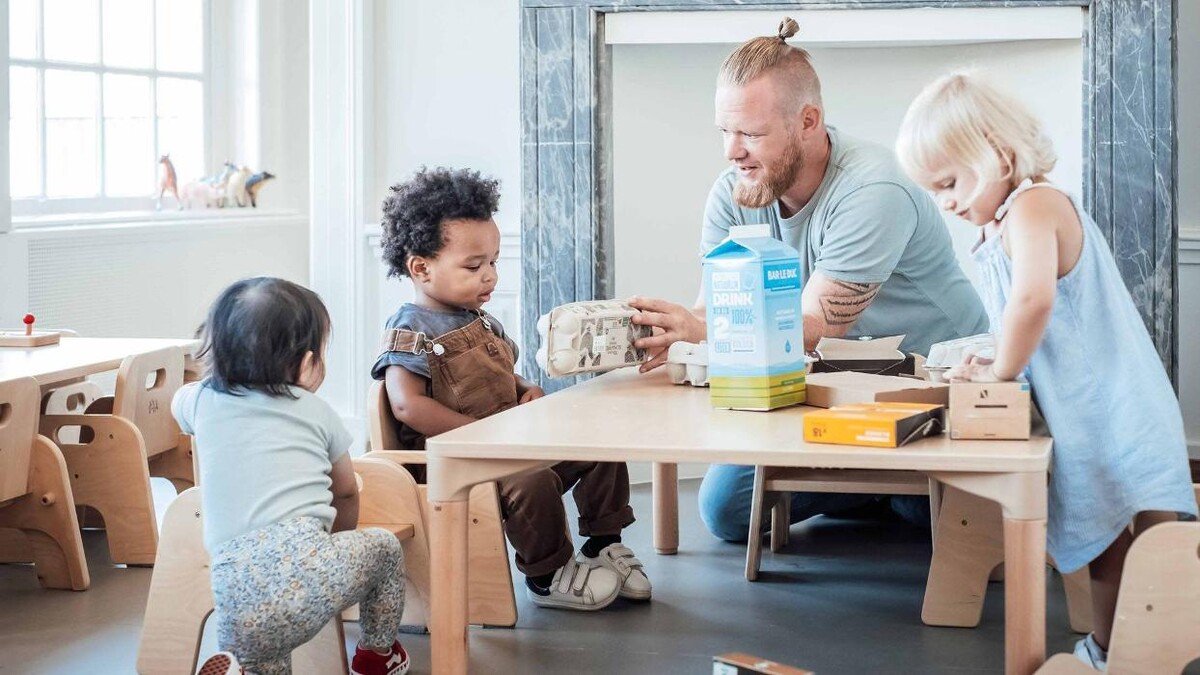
x=276, y=587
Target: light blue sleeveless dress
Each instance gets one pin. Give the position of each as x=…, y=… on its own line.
x=1119, y=444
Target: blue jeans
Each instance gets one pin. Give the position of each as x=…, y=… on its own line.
x=725, y=495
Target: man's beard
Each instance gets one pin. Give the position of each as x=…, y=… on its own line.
x=777, y=180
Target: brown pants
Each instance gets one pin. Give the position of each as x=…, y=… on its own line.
x=535, y=518
x=472, y=373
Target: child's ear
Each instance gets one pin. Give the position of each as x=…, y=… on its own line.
x=418, y=268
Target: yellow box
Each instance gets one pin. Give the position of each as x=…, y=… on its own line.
x=879, y=425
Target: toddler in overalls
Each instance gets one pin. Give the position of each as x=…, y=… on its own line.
x=447, y=363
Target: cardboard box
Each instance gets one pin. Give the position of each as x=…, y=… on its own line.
x=989, y=411
x=878, y=425
x=878, y=356
x=755, y=330
x=826, y=390
x=744, y=664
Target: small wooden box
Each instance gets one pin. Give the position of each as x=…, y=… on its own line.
x=744, y=664
x=37, y=339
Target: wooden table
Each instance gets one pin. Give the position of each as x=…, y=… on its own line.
x=74, y=358
x=622, y=416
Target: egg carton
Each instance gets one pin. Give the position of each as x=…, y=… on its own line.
x=687, y=363
x=593, y=336
x=945, y=355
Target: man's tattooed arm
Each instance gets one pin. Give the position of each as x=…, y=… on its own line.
x=831, y=307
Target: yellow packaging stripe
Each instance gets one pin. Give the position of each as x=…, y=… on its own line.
x=760, y=402
x=759, y=381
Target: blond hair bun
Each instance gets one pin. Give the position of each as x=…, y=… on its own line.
x=787, y=28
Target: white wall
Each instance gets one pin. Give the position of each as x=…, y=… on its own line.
x=447, y=87
x=667, y=151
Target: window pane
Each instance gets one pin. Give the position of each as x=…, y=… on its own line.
x=128, y=33
x=180, y=27
x=22, y=29
x=72, y=30
x=181, y=126
x=71, y=152
x=24, y=158
x=129, y=160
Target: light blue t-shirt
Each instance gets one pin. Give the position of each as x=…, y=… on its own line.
x=263, y=459
x=868, y=223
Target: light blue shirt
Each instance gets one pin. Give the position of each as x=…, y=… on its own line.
x=263, y=459
x=868, y=223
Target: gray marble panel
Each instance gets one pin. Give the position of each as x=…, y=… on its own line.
x=1129, y=141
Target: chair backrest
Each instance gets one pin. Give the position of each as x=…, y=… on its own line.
x=1158, y=607
x=384, y=435
x=146, y=383
x=18, y=426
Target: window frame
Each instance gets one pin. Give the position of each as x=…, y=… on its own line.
x=42, y=206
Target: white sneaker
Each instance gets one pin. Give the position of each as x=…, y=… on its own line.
x=579, y=587
x=1088, y=651
x=635, y=585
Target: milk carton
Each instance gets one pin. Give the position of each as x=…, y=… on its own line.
x=755, y=329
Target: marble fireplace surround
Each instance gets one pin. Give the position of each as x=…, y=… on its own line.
x=1129, y=126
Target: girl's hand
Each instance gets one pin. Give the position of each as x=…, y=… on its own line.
x=978, y=370
x=530, y=394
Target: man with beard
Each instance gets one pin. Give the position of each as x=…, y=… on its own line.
x=875, y=254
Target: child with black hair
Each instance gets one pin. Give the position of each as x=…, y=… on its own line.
x=279, y=492
x=447, y=363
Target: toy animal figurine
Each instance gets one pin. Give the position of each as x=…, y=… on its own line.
x=221, y=180
x=202, y=195
x=235, y=188
x=254, y=184
x=167, y=182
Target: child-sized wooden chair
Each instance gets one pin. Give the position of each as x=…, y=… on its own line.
x=968, y=535
x=1157, y=627
x=180, y=599
x=122, y=441
x=35, y=492
x=490, y=598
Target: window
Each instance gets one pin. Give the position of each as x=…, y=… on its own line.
x=98, y=91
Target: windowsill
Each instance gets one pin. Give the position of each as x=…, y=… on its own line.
x=164, y=218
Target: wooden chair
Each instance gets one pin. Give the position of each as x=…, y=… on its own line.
x=490, y=598
x=968, y=532
x=122, y=441
x=783, y=481
x=1158, y=607
x=35, y=492
x=180, y=599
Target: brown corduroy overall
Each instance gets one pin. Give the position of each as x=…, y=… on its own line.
x=471, y=372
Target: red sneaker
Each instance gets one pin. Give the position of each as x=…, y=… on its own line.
x=221, y=663
x=367, y=662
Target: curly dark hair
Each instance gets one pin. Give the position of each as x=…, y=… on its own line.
x=414, y=212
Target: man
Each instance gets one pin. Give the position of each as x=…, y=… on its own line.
x=874, y=251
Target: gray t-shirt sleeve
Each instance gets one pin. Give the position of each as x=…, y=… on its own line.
x=719, y=215
x=413, y=363
x=866, y=234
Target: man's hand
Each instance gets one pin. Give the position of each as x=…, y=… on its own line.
x=671, y=323
x=533, y=392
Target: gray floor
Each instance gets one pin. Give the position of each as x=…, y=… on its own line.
x=844, y=598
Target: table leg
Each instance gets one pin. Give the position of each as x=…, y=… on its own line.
x=1024, y=595
x=665, y=488
x=448, y=586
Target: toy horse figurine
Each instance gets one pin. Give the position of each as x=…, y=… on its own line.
x=235, y=191
x=168, y=181
x=254, y=184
